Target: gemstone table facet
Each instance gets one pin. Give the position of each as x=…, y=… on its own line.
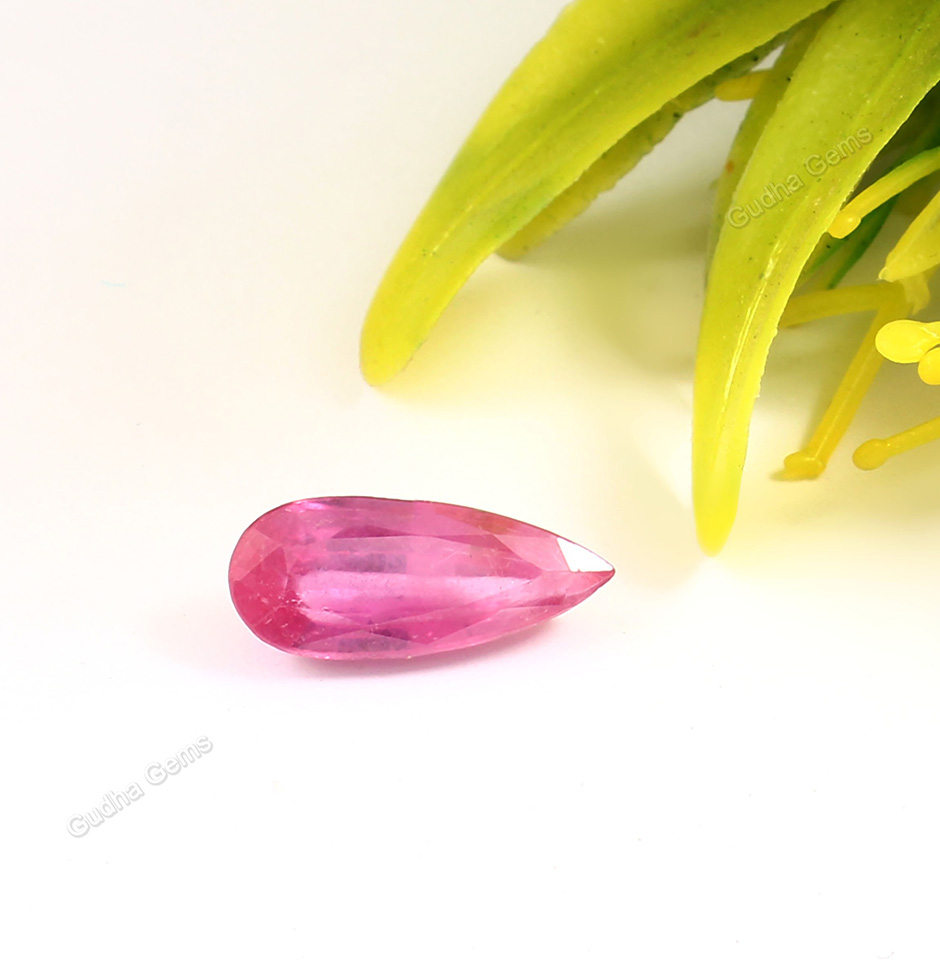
x=353, y=578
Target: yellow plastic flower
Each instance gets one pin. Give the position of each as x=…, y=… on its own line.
x=843, y=123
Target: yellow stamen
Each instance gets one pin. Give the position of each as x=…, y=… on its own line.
x=917, y=253
x=834, y=303
x=811, y=461
x=742, y=88
x=915, y=198
x=907, y=341
x=929, y=368
x=890, y=185
x=876, y=453
x=889, y=302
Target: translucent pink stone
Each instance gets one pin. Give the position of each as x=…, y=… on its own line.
x=351, y=578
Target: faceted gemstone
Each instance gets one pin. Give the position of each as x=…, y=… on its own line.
x=350, y=578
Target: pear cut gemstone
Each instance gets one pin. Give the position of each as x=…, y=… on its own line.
x=352, y=578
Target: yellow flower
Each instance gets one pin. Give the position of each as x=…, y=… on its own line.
x=848, y=103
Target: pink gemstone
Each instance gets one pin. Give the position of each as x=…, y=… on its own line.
x=351, y=578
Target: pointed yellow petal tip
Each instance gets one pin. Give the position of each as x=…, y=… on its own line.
x=374, y=371
x=715, y=513
x=385, y=348
x=379, y=366
x=713, y=534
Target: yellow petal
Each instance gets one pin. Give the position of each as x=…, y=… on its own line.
x=602, y=69
x=862, y=76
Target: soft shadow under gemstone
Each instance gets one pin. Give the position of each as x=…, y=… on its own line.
x=354, y=578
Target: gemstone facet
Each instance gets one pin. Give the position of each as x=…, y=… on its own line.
x=352, y=578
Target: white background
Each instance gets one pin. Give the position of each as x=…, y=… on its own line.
x=710, y=758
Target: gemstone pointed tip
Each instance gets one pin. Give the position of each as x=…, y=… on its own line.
x=582, y=560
